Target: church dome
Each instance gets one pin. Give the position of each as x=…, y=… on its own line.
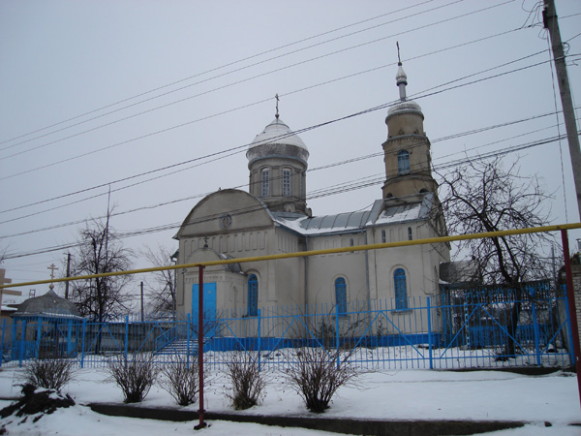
x=405, y=107
x=277, y=140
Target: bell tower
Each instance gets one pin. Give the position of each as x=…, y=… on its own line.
x=407, y=149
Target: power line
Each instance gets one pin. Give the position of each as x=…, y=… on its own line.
x=223, y=74
x=351, y=184
x=419, y=95
x=229, y=85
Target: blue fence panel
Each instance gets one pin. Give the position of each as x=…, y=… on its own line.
x=462, y=328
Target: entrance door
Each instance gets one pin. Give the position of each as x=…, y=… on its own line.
x=209, y=308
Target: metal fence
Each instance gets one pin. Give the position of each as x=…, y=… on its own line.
x=461, y=328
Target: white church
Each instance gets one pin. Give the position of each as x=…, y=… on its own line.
x=274, y=218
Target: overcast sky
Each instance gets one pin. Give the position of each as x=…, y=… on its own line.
x=105, y=94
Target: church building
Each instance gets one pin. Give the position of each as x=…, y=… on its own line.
x=273, y=218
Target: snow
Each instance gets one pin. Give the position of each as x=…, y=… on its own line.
x=412, y=394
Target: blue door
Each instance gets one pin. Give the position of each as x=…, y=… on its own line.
x=209, y=308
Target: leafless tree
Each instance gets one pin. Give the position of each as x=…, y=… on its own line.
x=247, y=381
x=100, y=252
x=317, y=375
x=135, y=376
x=181, y=379
x=162, y=293
x=482, y=196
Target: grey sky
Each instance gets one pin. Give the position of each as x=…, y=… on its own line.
x=62, y=59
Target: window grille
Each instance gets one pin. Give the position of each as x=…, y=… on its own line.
x=265, y=186
x=403, y=162
x=341, y=295
x=400, y=285
x=252, y=295
x=286, y=182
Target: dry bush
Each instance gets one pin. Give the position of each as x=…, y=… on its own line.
x=49, y=373
x=135, y=377
x=247, y=381
x=316, y=376
x=181, y=379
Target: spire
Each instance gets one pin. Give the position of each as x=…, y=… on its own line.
x=401, y=79
x=276, y=115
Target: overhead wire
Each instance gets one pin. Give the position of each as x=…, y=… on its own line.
x=232, y=71
x=418, y=95
x=344, y=187
x=355, y=184
x=325, y=166
x=229, y=85
x=530, y=145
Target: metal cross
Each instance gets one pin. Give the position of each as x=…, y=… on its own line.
x=398, y=58
x=52, y=269
x=277, y=100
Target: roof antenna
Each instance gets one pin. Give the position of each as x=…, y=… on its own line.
x=276, y=115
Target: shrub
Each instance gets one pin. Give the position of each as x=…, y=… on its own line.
x=316, y=377
x=49, y=373
x=135, y=377
x=247, y=381
x=181, y=379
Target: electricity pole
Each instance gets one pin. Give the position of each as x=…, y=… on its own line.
x=141, y=301
x=552, y=25
x=68, y=275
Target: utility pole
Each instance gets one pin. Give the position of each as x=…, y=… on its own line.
x=68, y=275
x=141, y=301
x=552, y=25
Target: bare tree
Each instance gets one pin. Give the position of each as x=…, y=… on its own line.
x=100, y=252
x=483, y=197
x=162, y=294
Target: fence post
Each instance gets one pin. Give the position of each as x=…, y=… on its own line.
x=258, y=339
x=537, y=333
x=188, y=338
x=83, y=335
x=430, y=353
x=38, y=336
x=14, y=339
x=568, y=334
x=126, y=348
x=22, y=344
x=337, y=337
x=3, y=337
x=69, y=337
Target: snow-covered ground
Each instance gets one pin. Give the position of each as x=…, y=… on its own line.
x=414, y=394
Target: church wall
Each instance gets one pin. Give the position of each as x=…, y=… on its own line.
x=325, y=269
x=289, y=273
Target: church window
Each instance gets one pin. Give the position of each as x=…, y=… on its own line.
x=252, y=295
x=383, y=236
x=286, y=182
x=403, y=162
x=265, y=183
x=400, y=285
x=410, y=234
x=341, y=295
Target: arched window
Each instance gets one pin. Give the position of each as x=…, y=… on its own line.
x=286, y=182
x=383, y=236
x=410, y=234
x=403, y=162
x=341, y=295
x=400, y=286
x=265, y=183
x=252, y=295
